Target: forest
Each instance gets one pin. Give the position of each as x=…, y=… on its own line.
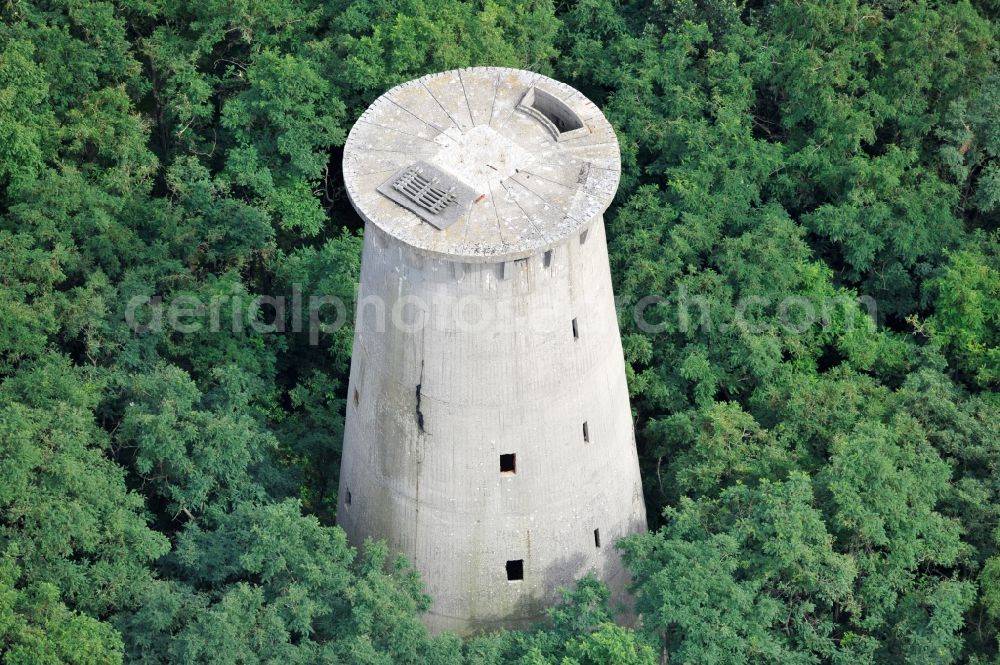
x=825, y=493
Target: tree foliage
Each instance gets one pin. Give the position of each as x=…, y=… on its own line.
x=807, y=224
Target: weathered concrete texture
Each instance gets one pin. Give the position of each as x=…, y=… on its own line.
x=537, y=188
x=489, y=358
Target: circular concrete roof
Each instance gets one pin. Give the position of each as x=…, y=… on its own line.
x=481, y=164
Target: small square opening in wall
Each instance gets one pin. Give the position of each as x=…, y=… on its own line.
x=576, y=330
x=515, y=570
x=586, y=432
x=508, y=463
x=597, y=537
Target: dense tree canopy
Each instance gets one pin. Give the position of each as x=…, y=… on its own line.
x=808, y=224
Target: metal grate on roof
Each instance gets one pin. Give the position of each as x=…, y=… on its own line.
x=430, y=193
x=424, y=191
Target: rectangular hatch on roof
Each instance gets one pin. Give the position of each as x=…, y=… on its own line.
x=430, y=193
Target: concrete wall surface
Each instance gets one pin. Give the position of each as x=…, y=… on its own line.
x=482, y=361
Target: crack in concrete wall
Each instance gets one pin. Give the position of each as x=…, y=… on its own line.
x=420, y=414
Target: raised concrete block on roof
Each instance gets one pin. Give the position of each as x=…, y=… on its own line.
x=489, y=434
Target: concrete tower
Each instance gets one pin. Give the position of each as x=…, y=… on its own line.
x=489, y=435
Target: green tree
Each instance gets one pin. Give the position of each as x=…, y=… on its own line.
x=267, y=584
x=37, y=629
x=68, y=519
x=824, y=487
x=966, y=319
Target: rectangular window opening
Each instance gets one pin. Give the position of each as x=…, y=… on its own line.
x=515, y=570
x=597, y=537
x=508, y=463
x=586, y=433
x=583, y=237
x=347, y=498
x=576, y=330
x=547, y=258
